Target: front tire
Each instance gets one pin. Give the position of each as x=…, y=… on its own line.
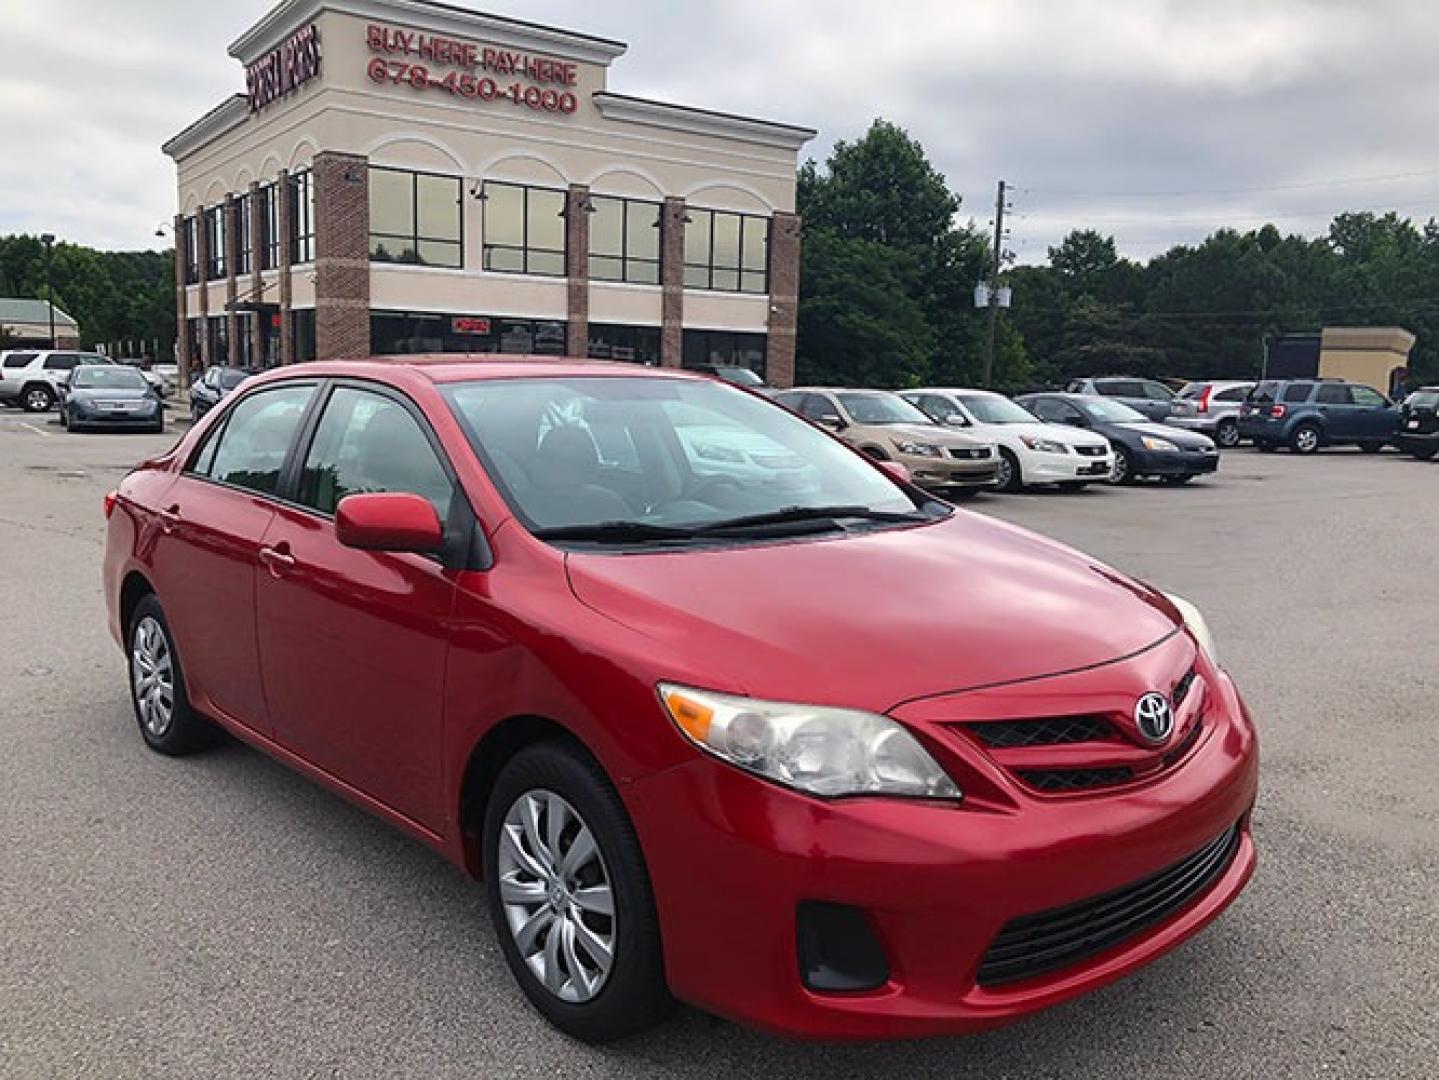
x=570, y=896
x=168, y=723
x=1123, y=467
x=1010, y=475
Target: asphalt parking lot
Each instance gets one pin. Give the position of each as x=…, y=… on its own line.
x=222, y=917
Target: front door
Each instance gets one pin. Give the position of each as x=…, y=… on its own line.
x=352, y=643
x=1375, y=415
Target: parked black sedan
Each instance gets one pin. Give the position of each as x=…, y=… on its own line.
x=216, y=383
x=110, y=396
x=1419, y=423
x=1141, y=447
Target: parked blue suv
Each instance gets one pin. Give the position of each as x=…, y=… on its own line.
x=1305, y=414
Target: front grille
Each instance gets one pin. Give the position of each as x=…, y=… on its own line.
x=1048, y=731
x=969, y=455
x=1033, y=945
x=1091, y=451
x=1075, y=779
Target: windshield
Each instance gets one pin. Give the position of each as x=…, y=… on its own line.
x=882, y=408
x=989, y=409
x=1110, y=412
x=107, y=378
x=657, y=453
x=232, y=377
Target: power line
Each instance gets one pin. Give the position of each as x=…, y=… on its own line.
x=1418, y=302
x=1432, y=201
x=1183, y=193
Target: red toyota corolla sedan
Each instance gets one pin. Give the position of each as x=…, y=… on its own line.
x=720, y=709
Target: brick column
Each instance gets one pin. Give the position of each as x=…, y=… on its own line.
x=577, y=270
x=342, y=256
x=672, y=281
x=232, y=252
x=182, y=323
x=287, y=331
x=202, y=274
x=784, y=242
x=256, y=285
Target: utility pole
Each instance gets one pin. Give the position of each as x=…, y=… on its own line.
x=994, y=285
x=49, y=241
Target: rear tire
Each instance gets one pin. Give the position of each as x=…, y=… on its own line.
x=605, y=1000
x=1010, y=476
x=1227, y=434
x=168, y=722
x=1305, y=439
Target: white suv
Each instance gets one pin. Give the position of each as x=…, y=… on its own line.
x=31, y=378
x=1031, y=451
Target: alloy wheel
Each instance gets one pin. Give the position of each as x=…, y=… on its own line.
x=152, y=675
x=558, y=900
x=1306, y=440
x=1006, y=472
x=1227, y=435
x=37, y=399
x=1121, y=467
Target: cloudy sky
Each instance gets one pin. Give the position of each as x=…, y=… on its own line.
x=1153, y=120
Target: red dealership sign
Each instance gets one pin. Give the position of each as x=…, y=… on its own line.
x=463, y=69
x=466, y=324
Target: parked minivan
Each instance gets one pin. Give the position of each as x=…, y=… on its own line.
x=1306, y=414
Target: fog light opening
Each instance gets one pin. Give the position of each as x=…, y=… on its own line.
x=838, y=952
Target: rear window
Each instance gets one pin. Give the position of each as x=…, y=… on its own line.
x=1193, y=390
x=19, y=359
x=1297, y=391
x=1264, y=393
x=1424, y=399
x=1120, y=388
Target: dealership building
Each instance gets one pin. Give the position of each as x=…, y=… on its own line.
x=406, y=176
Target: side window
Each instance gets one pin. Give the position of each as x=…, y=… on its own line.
x=1157, y=392
x=1048, y=409
x=62, y=362
x=212, y=378
x=1130, y=388
x=1333, y=394
x=1368, y=397
x=816, y=405
x=1234, y=393
x=1297, y=392
x=367, y=442
x=252, y=447
x=940, y=408
x=19, y=359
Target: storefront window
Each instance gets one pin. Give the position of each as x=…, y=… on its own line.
x=624, y=240
x=302, y=330
x=395, y=333
x=302, y=217
x=215, y=238
x=640, y=344
x=524, y=229
x=218, y=329
x=726, y=252
x=268, y=207
x=415, y=218
x=190, y=247
x=724, y=348
x=244, y=339
x=242, y=235
x=195, y=333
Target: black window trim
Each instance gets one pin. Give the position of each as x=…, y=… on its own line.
x=226, y=408
x=709, y=267
x=624, y=257
x=465, y=546
x=524, y=249
x=415, y=237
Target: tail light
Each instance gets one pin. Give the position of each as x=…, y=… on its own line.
x=1204, y=399
x=1276, y=412
x=110, y=499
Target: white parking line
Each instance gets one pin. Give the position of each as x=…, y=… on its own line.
x=32, y=427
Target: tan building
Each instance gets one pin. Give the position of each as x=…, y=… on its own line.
x=1365, y=354
x=27, y=323
x=408, y=176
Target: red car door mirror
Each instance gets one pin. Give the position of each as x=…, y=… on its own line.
x=388, y=521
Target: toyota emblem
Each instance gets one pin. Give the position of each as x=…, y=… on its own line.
x=1154, y=717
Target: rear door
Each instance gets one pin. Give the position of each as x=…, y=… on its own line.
x=213, y=520
x=353, y=643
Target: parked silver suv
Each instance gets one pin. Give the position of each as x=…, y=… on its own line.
x=1213, y=408
x=31, y=378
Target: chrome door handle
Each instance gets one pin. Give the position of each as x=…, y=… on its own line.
x=277, y=560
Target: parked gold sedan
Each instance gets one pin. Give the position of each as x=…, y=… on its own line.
x=888, y=428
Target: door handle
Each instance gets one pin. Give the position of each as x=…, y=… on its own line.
x=169, y=518
x=277, y=559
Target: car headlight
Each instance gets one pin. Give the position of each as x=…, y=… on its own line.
x=812, y=748
x=1151, y=443
x=917, y=449
x=1044, y=446
x=1196, y=625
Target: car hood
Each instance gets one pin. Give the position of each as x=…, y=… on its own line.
x=932, y=433
x=1061, y=433
x=875, y=619
x=1178, y=436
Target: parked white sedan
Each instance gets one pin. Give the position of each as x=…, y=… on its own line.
x=1031, y=451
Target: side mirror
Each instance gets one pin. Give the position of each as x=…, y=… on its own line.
x=955, y=420
x=833, y=422
x=896, y=470
x=388, y=521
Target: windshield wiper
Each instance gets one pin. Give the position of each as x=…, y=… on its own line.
x=791, y=514
x=616, y=532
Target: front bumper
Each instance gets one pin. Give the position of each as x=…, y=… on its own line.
x=732, y=858
x=1042, y=468
x=1174, y=463
x=947, y=472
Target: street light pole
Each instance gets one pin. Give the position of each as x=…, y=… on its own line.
x=49, y=241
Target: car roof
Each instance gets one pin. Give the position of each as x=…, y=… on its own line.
x=441, y=368
x=954, y=390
